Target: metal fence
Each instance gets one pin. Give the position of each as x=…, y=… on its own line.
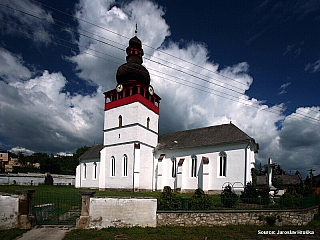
x=216, y=203
x=56, y=209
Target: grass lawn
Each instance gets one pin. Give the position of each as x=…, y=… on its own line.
x=73, y=190
x=11, y=233
x=228, y=232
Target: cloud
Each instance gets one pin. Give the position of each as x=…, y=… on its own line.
x=35, y=114
x=283, y=88
x=25, y=151
x=27, y=26
x=11, y=67
x=313, y=67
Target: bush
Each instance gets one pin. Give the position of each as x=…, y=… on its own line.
x=228, y=197
x=250, y=194
x=200, y=200
x=271, y=220
x=168, y=200
x=264, y=196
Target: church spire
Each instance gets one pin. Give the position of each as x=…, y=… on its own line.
x=136, y=31
x=133, y=71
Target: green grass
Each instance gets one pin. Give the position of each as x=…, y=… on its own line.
x=238, y=232
x=73, y=190
x=11, y=233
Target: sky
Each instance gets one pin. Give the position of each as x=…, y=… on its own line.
x=255, y=63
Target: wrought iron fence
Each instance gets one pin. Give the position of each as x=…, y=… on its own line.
x=56, y=209
x=216, y=203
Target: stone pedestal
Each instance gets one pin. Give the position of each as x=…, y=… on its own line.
x=25, y=218
x=83, y=221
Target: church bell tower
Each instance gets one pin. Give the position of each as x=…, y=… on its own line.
x=131, y=115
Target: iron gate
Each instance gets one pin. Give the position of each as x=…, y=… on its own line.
x=56, y=209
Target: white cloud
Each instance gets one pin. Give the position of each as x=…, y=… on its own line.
x=28, y=26
x=36, y=114
x=283, y=88
x=23, y=150
x=313, y=67
x=11, y=67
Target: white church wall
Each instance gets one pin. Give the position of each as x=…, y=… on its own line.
x=118, y=180
x=130, y=134
x=146, y=167
x=88, y=173
x=235, y=166
x=131, y=113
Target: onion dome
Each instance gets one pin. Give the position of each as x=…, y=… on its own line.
x=132, y=70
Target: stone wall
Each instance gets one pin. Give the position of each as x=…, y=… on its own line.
x=122, y=212
x=34, y=179
x=234, y=217
x=9, y=210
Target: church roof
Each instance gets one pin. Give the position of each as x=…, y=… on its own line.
x=200, y=137
x=93, y=152
x=283, y=180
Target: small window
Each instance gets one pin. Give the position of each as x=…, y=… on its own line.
x=94, y=170
x=193, y=166
x=125, y=165
x=120, y=121
x=148, y=122
x=113, y=166
x=174, y=167
x=223, y=164
x=85, y=171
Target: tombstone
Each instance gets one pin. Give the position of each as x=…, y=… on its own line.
x=48, y=180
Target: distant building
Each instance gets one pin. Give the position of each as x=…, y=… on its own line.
x=134, y=157
x=4, y=158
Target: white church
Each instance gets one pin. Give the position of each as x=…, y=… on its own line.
x=134, y=157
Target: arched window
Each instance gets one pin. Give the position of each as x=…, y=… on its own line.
x=120, y=121
x=113, y=166
x=148, y=122
x=94, y=170
x=193, y=166
x=125, y=165
x=85, y=171
x=174, y=167
x=223, y=164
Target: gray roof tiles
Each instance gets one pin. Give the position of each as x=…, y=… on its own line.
x=208, y=136
x=93, y=152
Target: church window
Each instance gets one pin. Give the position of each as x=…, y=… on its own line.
x=120, y=121
x=113, y=166
x=85, y=171
x=174, y=167
x=223, y=164
x=94, y=170
x=125, y=165
x=148, y=122
x=193, y=166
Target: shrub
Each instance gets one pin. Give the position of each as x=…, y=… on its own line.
x=168, y=200
x=250, y=194
x=271, y=220
x=228, y=197
x=264, y=196
x=200, y=200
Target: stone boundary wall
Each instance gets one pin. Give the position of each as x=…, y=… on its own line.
x=9, y=211
x=235, y=217
x=34, y=179
x=103, y=212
